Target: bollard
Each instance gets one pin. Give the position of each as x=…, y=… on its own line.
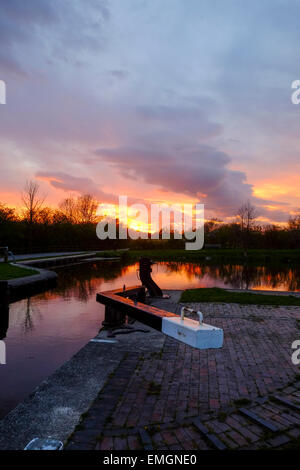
x=146, y=279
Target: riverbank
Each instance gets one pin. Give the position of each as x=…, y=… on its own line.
x=146, y=390
x=215, y=294
x=22, y=263
x=19, y=279
x=11, y=271
x=211, y=256
x=29, y=283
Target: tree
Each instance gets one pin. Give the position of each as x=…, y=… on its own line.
x=32, y=201
x=246, y=216
x=81, y=210
x=86, y=209
x=294, y=230
x=68, y=208
x=212, y=224
x=7, y=214
x=294, y=223
x=45, y=216
x=8, y=219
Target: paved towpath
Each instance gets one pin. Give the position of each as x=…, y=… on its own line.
x=172, y=396
x=47, y=255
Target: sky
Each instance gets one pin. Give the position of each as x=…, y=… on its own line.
x=171, y=101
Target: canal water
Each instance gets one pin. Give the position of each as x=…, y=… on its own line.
x=44, y=331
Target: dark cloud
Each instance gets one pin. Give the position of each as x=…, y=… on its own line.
x=78, y=184
x=18, y=20
x=48, y=25
x=192, y=119
x=28, y=11
x=273, y=215
x=260, y=201
x=197, y=172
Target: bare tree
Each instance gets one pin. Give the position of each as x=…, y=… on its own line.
x=45, y=216
x=294, y=222
x=81, y=210
x=212, y=224
x=7, y=213
x=68, y=208
x=246, y=215
x=86, y=209
x=32, y=201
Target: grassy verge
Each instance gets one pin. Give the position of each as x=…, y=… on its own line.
x=216, y=294
x=218, y=256
x=7, y=271
x=39, y=258
x=110, y=254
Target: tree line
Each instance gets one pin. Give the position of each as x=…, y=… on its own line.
x=72, y=226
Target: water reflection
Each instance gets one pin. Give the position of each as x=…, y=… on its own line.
x=283, y=278
x=31, y=312
x=84, y=280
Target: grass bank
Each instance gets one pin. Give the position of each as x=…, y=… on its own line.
x=215, y=294
x=8, y=271
x=213, y=256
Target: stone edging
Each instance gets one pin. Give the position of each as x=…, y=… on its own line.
x=12, y=289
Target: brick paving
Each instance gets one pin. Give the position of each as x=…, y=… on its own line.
x=180, y=398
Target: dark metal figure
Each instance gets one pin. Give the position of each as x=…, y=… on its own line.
x=146, y=279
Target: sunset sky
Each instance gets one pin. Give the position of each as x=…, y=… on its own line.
x=160, y=100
